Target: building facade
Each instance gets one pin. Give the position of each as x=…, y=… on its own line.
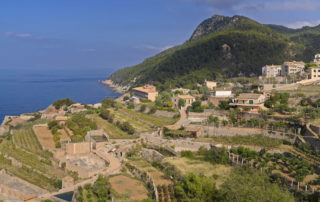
x=271, y=71
x=223, y=92
x=292, y=68
x=145, y=92
x=189, y=99
x=314, y=72
x=317, y=58
x=210, y=84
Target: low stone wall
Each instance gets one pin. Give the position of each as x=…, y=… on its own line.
x=145, y=177
x=315, y=129
x=233, y=131
x=309, y=132
x=314, y=142
x=151, y=155
x=166, y=113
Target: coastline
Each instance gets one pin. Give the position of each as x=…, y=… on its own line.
x=114, y=87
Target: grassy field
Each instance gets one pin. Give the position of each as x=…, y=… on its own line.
x=113, y=131
x=138, y=125
x=186, y=166
x=157, y=175
x=42, y=171
x=254, y=140
x=150, y=119
x=127, y=188
x=27, y=139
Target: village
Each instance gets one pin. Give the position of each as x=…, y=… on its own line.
x=145, y=140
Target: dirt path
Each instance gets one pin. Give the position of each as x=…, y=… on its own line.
x=183, y=117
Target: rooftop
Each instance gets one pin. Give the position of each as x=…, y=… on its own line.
x=185, y=96
x=61, y=118
x=249, y=96
x=223, y=89
x=293, y=63
x=146, y=89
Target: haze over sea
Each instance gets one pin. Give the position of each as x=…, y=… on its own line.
x=24, y=91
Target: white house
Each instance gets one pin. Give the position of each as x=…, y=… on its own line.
x=223, y=92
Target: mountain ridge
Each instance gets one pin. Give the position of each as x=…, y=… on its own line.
x=222, y=46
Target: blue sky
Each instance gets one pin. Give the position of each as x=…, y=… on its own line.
x=111, y=34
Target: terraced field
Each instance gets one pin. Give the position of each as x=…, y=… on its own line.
x=149, y=119
x=21, y=155
x=27, y=139
x=138, y=125
x=113, y=131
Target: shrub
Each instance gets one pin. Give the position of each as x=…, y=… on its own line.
x=59, y=103
x=127, y=127
x=143, y=108
x=187, y=154
x=130, y=105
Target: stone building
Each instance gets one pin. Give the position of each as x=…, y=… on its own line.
x=189, y=99
x=314, y=72
x=270, y=71
x=210, y=84
x=292, y=68
x=145, y=92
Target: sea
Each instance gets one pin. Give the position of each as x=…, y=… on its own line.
x=30, y=90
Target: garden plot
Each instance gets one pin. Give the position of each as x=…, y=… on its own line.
x=186, y=166
x=45, y=136
x=157, y=175
x=128, y=188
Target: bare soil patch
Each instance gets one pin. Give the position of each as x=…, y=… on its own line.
x=45, y=136
x=126, y=186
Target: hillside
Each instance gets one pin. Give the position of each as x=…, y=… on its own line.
x=222, y=47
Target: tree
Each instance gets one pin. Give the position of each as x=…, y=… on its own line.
x=224, y=105
x=127, y=127
x=248, y=184
x=143, y=108
x=182, y=102
x=196, y=188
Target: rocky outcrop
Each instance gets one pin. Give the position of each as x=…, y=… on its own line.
x=214, y=24
x=115, y=87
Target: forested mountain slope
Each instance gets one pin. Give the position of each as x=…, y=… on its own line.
x=222, y=47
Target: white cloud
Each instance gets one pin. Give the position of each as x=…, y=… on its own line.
x=286, y=5
x=257, y=5
x=299, y=24
x=21, y=35
x=156, y=48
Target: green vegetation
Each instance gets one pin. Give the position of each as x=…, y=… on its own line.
x=63, y=102
x=291, y=166
x=196, y=107
x=279, y=103
x=35, y=167
x=54, y=127
x=99, y=191
x=80, y=125
x=254, y=140
x=196, y=188
x=177, y=133
x=111, y=129
x=240, y=45
x=150, y=119
x=248, y=184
